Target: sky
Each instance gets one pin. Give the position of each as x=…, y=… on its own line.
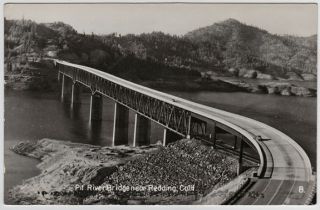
x=292, y=19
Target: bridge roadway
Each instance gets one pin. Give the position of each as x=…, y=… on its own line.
x=288, y=177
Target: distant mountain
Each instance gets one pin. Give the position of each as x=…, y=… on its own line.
x=247, y=46
x=222, y=48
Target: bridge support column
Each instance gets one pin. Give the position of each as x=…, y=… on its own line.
x=120, y=125
x=75, y=94
x=65, y=89
x=96, y=107
x=214, y=135
x=142, y=129
x=62, y=86
x=235, y=142
x=240, y=168
x=189, y=128
x=59, y=76
x=170, y=136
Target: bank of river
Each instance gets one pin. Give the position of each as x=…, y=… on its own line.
x=180, y=173
x=35, y=115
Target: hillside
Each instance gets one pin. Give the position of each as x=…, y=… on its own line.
x=251, y=47
x=27, y=43
x=27, y=39
x=224, y=47
x=199, y=60
x=168, y=49
x=220, y=47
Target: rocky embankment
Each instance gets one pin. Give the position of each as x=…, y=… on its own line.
x=286, y=89
x=255, y=74
x=74, y=173
x=254, y=81
x=275, y=87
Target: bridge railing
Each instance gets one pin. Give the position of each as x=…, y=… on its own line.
x=168, y=115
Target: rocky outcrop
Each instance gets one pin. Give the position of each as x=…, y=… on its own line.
x=276, y=87
x=73, y=173
x=245, y=86
x=293, y=76
x=252, y=74
x=234, y=71
x=264, y=76
x=66, y=165
x=286, y=89
x=309, y=77
x=302, y=91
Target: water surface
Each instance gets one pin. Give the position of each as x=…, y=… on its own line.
x=35, y=115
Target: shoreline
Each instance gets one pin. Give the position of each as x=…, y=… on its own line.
x=17, y=169
x=69, y=172
x=229, y=85
x=44, y=77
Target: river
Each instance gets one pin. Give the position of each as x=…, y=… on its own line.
x=36, y=115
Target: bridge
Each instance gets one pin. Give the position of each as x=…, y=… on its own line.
x=284, y=173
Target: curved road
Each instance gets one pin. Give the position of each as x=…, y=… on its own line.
x=288, y=177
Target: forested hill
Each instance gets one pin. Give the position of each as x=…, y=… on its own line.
x=25, y=39
x=241, y=44
x=219, y=48
x=27, y=42
x=223, y=46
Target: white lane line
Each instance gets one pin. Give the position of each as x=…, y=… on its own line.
x=262, y=191
x=289, y=192
x=276, y=192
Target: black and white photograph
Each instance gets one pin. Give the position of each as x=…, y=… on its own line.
x=159, y=103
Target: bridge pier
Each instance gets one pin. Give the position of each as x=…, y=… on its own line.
x=75, y=94
x=235, y=142
x=59, y=76
x=213, y=136
x=96, y=103
x=62, y=87
x=240, y=161
x=65, y=89
x=189, y=127
x=142, y=129
x=120, y=125
x=170, y=136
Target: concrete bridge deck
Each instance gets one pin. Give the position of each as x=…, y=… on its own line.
x=287, y=172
